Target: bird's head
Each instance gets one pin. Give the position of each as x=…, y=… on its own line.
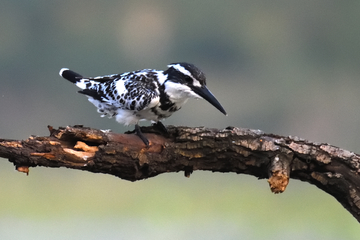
x=186, y=80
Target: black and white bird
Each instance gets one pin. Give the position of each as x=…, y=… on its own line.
x=146, y=94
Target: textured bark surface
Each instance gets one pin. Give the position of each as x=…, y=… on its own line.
x=278, y=158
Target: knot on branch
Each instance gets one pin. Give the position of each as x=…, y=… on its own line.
x=279, y=172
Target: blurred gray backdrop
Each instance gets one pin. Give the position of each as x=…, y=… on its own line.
x=285, y=67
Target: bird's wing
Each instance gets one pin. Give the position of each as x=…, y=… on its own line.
x=129, y=91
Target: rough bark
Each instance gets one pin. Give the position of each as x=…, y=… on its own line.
x=278, y=158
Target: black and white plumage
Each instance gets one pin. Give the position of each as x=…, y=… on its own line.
x=145, y=94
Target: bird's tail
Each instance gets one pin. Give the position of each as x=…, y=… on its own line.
x=70, y=75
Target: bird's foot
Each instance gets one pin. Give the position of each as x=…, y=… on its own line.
x=161, y=127
x=141, y=135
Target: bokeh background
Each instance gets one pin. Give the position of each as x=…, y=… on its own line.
x=285, y=67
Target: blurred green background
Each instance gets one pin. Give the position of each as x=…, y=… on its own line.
x=285, y=67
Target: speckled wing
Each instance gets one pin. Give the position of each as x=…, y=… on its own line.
x=130, y=91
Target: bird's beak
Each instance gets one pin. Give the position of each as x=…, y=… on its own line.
x=208, y=96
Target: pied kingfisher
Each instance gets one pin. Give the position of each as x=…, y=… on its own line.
x=146, y=94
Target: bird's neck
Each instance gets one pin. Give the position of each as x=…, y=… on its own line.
x=177, y=92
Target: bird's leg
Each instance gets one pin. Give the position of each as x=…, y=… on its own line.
x=141, y=135
x=160, y=126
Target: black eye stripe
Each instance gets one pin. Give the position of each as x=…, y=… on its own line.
x=188, y=79
x=187, y=73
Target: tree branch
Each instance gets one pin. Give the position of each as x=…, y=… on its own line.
x=334, y=170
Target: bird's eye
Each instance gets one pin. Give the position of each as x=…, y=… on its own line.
x=188, y=80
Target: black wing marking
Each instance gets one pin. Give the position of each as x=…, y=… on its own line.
x=94, y=94
x=106, y=78
x=131, y=91
x=140, y=89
